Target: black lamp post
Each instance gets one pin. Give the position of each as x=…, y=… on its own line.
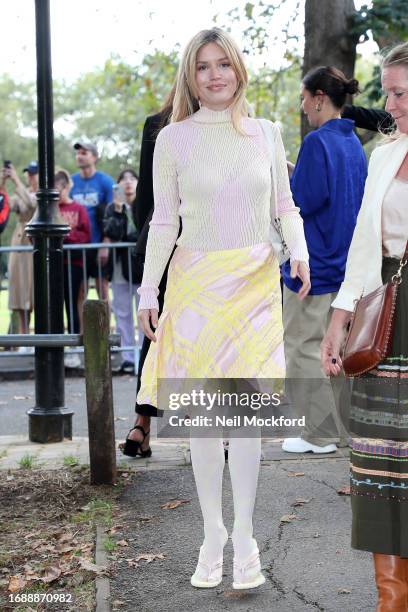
x=49, y=421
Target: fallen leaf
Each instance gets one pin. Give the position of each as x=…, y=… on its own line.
x=149, y=557
x=293, y=474
x=64, y=548
x=89, y=566
x=300, y=502
x=132, y=563
x=51, y=573
x=87, y=547
x=37, y=544
x=344, y=490
x=122, y=543
x=288, y=518
x=145, y=518
x=64, y=537
x=344, y=591
x=32, y=577
x=174, y=504
x=16, y=583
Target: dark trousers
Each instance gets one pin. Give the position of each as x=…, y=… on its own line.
x=71, y=297
x=147, y=409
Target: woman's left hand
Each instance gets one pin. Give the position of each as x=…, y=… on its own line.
x=301, y=269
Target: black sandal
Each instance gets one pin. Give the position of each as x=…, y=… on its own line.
x=133, y=448
x=226, y=447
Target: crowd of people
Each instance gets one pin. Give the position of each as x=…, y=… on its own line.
x=214, y=303
x=97, y=210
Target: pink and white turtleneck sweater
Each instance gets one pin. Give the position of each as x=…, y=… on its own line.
x=219, y=182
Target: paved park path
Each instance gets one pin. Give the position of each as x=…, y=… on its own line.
x=306, y=557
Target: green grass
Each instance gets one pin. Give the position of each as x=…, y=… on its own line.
x=96, y=511
x=109, y=544
x=26, y=462
x=70, y=461
x=5, y=313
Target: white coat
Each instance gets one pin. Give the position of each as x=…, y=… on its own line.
x=364, y=261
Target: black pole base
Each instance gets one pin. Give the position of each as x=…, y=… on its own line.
x=47, y=426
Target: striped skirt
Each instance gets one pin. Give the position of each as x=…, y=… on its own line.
x=222, y=318
x=379, y=457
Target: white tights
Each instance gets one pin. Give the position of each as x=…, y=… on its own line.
x=207, y=457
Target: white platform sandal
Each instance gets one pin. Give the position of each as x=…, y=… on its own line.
x=207, y=575
x=247, y=574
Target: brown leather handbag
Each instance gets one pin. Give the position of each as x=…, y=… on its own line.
x=371, y=327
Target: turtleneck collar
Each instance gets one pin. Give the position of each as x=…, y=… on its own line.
x=206, y=115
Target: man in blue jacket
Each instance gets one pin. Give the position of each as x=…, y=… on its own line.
x=93, y=189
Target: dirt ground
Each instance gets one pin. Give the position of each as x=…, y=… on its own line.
x=48, y=524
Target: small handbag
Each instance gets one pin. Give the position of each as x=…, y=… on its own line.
x=276, y=237
x=371, y=328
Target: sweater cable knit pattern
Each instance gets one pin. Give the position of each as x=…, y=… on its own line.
x=219, y=182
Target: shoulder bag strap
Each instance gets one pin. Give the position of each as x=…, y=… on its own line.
x=267, y=130
x=397, y=277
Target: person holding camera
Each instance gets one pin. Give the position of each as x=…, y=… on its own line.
x=119, y=227
x=4, y=217
x=20, y=265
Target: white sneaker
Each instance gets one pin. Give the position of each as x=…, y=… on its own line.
x=298, y=445
x=72, y=360
x=248, y=575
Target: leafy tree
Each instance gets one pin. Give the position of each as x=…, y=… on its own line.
x=387, y=20
x=109, y=106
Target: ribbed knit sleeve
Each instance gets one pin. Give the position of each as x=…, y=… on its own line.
x=164, y=225
x=291, y=221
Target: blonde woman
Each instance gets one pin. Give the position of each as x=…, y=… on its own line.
x=222, y=307
x=379, y=409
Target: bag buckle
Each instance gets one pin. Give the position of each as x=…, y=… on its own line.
x=397, y=277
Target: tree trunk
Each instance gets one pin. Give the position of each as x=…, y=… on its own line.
x=328, y=41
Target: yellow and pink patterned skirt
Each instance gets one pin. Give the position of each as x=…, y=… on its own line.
x=222, y=318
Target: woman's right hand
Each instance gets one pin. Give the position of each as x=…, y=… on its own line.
x=333, y=341
x=330, y=351
x=148, y=319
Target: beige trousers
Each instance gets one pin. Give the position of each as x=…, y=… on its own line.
x=324, y=402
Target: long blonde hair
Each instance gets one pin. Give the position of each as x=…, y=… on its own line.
x=397, y=56
x=186, y=97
